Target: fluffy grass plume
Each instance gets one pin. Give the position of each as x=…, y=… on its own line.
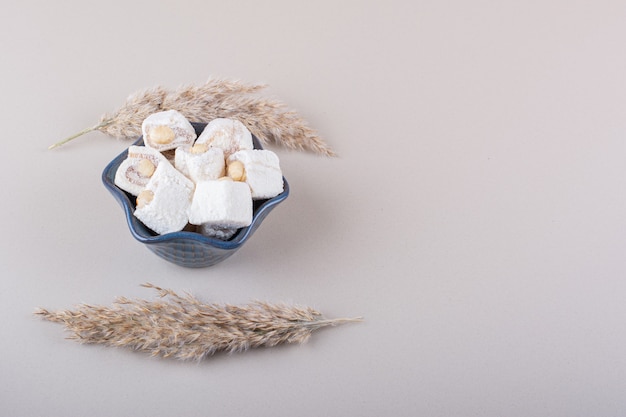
x=185, y=328
x=268, y=119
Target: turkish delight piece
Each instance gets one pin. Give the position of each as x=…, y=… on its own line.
x=163, y=204
x=260, y=169
x=135, y=171
x=228, y=134
x=223, y=203
x=200, y=163
x=167, y=130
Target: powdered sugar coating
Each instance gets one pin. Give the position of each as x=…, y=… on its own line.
x=228, y=134
x=202, y=166
x=227, y=204
x=167, y=212
x=184, y=133
x=128, y=176
x=262, y=172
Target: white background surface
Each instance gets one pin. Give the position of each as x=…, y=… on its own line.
x=475, y=216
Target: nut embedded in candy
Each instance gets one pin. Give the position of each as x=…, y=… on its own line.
x=144, y=198
x=135, y=171
x=262, y=171
x=199, y=148
x=167, y=130
x=236, y=171
x=145, y=168
x=162, y=135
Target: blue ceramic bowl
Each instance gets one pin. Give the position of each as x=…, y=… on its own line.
x=187, y=249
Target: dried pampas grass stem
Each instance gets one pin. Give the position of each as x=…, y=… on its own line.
x=268, y=119
x=185, y=328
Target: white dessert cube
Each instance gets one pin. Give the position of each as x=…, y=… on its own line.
x=262, y=172
x=199, y=163
x=135, y=171
x=163, y=204
x=223, y=203
x=167, y=130
x=230, y=135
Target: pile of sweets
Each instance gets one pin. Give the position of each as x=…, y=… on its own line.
x=205, y=183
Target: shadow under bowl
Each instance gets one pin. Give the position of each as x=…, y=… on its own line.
x=188, y=249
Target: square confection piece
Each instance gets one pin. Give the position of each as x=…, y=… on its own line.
x=200, y=163
x=136, y=170
x=223, y=203
x=261, y=171
x=167, y=130
x=228, y=134
x=163, y=204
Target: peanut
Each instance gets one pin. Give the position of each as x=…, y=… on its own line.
x=237, y=171
x=199, y=148
x=144, y=198
x=162, y=135
x=145, y=168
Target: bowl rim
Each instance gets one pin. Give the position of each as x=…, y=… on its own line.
x=136, y=227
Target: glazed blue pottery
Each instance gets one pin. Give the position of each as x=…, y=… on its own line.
x=188, y=249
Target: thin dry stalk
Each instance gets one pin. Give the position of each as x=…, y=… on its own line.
x=185, y=328
x=268, y=119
